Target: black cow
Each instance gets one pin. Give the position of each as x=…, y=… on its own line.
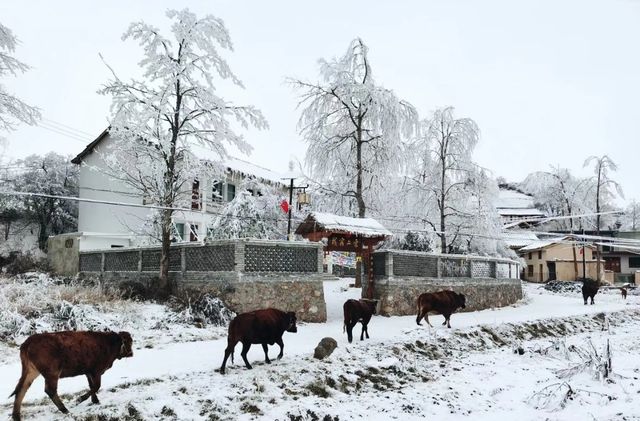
x=264, y=327
x=358, y=311
x=443, y=302
x=589, y=289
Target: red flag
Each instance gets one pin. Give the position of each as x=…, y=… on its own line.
x=284, y=205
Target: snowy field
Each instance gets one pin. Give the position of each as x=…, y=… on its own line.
x=472, y=371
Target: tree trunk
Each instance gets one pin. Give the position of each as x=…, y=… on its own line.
x=361, y=205
x=43, y=235
x=598, y=223
x=164, y=285
x=442, y=199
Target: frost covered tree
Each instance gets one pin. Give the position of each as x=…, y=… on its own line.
x=631, y=219
x=54, y=175
x=163, y=121
x=602, y=188
x=12, y=109
x=441, y=170
x=251, y=216
x=559, y=193
x=354, y=128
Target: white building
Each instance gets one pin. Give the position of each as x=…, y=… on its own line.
x=514, y=206
x=114, y=225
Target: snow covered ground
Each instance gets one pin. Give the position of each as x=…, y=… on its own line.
x=403, y=372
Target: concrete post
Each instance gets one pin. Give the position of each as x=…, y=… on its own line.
x=239, y=256
x=102, y=259
x=438, y=267
x=388, y=265
x=140, y=261
x=183, y=260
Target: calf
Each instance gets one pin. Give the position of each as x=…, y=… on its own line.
x=443, y=302
x=258, y=327
x=358, y=311
x=623, y=291
x=68, y=354
x=589, y=289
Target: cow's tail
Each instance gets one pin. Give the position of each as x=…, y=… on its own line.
x=23, y=375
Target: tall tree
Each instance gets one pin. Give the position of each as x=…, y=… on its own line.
x=444, y=170
x=354, y=129
x=54, y=175
x=353, y=126
x=12, y=109
x=603, y=184
x=162, y=123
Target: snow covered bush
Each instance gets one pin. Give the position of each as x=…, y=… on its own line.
x=202, y=309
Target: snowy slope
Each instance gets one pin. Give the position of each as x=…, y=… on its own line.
x=403, y=371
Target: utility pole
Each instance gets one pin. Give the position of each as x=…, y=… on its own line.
x=584, y=258
x=290, y=206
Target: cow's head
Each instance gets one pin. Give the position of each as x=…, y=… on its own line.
x=291, y=322
x=125, y=347
x=371, y=304
x=461, y=299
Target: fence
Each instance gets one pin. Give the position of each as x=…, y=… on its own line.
x=400, y=263
x=252, y=256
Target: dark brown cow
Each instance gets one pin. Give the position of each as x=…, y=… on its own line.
x=623, y=291
x=589, y=289
x=442, y=302
x=258, y=327
x=358, y=311
x=68, y=354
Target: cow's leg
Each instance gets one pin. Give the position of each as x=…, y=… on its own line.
x=94, y=385
x=51, y=389
x=29, y=373
x=426, y=318
x=419, y=316
x=281, y=345
x=447, y=319
x=365, y=326
x=350, y=326
x=245, y=349
x=227, y=352
x=592, y=299
x=265, y=348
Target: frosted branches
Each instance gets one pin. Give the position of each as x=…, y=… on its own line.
x=12, y=109
x=355, y=128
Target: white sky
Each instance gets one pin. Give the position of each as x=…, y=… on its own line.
x=548, y=82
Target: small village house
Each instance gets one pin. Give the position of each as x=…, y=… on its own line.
x=552, y=259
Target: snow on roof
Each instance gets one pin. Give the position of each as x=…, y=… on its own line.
x=367, y=227
x=536, y=245
x=520, y=212
x=246, y=167
x=511, y=199
x=516, y=239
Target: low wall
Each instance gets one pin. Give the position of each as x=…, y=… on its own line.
x=400, y=277
x=246, y=274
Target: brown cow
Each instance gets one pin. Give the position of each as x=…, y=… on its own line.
x=589, y=289
x=623, y=291
x=443, y=302
x=258, y=327
x=68, y=354
x=358, y=311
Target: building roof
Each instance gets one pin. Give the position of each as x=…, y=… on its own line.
x=540, y=244
x=232, y=163
x=518, y=239
x=365, y=227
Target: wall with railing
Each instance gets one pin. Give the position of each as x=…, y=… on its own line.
x=401, y=276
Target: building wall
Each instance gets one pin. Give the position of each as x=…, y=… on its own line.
x=63, y=254
x=557, y=252
x=94, y=184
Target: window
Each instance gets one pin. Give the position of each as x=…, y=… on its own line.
x=231, y=192
x=634, y=262
x=195, y=195
x=539, y=254
x=530, y=270
x=180, y=231
x=529, y=255
x=217, y=191
x=193, y=233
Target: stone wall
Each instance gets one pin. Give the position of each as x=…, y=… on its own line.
x=398, y=296
x=246, y=274
x=401, y=276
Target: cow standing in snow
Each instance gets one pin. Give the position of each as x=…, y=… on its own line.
x=68, y=354
x=443, y=302
x=358, y=311
x=264, y=327
x=589, y=289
